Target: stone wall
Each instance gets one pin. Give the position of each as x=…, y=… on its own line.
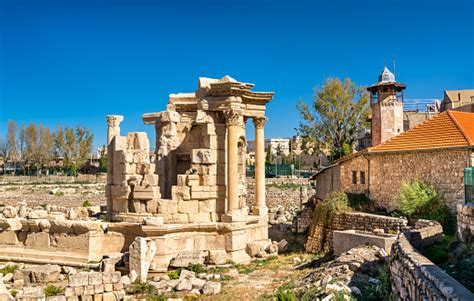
x=287, y=197
x=98, y=178
x=442, y=169
x=358, y=167
x=328, y=180
x=81, y=286
x=320, y=237
x=414, y=277
x=385, y=174
x=465, y=229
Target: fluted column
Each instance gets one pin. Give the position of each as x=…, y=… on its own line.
x=260, y=207
x=234, y=120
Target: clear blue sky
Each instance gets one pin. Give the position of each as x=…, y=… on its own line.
x=73, y=62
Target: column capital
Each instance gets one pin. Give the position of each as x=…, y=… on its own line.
x=234, y=117
x=259, y=122
x=114, y=120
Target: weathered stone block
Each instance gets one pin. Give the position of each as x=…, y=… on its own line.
x=200, y=192
x=207, y=205
x=193, y=180
x=180, y=193
x=8, y=238
x=95, y=278
x=39, y=240
x=180, y=218
x=79, y=280
x=199, y=217
x=204, y=156
x=188, y=206
x=236, y=240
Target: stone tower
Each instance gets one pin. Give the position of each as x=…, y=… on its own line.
x=386, y=101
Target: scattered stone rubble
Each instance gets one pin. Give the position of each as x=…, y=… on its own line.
x=345, y=274
x=63, y=195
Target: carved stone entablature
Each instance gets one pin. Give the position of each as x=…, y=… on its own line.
x=259, y=122
x=234, y=117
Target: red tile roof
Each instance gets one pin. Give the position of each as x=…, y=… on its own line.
x=448, y=129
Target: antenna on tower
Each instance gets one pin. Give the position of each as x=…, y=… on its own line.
x=394, y=67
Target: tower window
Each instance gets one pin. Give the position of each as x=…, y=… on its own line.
x=354, y=177
x=459, y=96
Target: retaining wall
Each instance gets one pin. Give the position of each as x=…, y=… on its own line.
x=465, y=228
x=415, y=277
x=320, y=237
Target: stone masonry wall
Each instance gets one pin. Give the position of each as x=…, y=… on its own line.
x=359, y=165
x=442, y=169
x=289, y=198
x=465, y=229
x=414, y=277
x=320, y=238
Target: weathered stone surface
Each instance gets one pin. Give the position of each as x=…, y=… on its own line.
x=10, y=212
x=183, y=259
x=37, y=214
x=184, y=285
x=252, y=249
x=211, y=288
x=44, y=273
x=142, y=252
x=79, y=279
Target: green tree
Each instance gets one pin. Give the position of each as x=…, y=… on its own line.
x=338, y=112
x=84, y=140
x=269, y=155
x=45, y=147
x=12, y=143
x=31, y=146
x=103, y=159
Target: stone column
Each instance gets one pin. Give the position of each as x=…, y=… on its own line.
x=113, y=130
x=234, y=120
x=260, y=207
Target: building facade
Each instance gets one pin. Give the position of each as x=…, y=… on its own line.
x=436, y=151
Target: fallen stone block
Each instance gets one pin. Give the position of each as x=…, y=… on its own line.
x=211, y=288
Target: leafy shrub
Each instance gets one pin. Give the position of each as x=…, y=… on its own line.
x=285, y=295
x=173, y=275
x=51, y=291
x=335, y=203
x=143, y=288
x=439, y=252
x=87, y=203
x=9, y=269
x=325, y=211
x=196, y=268
x=420, y=200
x=360, y=202
x=415, y=195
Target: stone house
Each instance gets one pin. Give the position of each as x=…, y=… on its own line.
x=436, y=151
x=459, y=100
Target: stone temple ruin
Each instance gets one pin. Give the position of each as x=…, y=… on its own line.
x=190, y=196
x=183, y=204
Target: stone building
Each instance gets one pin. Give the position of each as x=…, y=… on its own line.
x=193, y=193
x=436, y=151
x=459, y=100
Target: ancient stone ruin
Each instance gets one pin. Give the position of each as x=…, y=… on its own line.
x=189, y=196
x=184, y=203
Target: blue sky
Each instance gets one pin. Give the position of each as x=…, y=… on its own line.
x=74, y=62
